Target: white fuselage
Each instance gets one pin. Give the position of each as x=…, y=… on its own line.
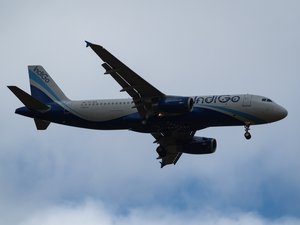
x=252, y=109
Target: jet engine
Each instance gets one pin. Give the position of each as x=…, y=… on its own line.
x=200, y=145
x=175, y=105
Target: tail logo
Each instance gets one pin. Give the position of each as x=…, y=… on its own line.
x=42, y=74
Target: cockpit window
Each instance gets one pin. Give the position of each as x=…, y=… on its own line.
x=266, y=100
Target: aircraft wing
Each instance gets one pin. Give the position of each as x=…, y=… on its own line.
x=145, y=96
x=143, y=93
x=171, y=144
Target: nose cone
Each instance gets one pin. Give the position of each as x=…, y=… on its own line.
x=281, y=112
x=274, y=113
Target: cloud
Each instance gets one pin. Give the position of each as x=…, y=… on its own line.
x=248, y=180
x=91, y=212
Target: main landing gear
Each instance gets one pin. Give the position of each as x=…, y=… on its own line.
x=247, y=133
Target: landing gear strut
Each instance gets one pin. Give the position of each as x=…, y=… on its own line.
x=247, y=133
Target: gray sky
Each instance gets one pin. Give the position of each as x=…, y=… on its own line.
x=72, y=176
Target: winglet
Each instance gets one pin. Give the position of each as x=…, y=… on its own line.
x=88, y=44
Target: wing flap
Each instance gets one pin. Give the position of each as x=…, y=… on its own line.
x=171, y=143
x=127, y=87
x=170, y=158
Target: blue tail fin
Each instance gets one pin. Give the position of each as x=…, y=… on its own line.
x=43, y=88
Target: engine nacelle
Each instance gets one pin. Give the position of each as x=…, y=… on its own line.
x=200, y=145
x=175, y=105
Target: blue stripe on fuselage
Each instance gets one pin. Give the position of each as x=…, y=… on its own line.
x=239, y=113
x=199, y=118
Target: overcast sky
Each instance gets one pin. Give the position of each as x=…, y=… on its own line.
x=68, y=175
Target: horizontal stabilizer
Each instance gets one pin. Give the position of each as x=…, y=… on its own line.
x=29, y=101
x=41, y=124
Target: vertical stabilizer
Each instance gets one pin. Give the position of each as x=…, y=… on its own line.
x=43, y=88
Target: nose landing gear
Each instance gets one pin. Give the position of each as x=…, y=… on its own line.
x=247, y=133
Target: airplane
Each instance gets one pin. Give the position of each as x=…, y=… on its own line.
x=171, y=120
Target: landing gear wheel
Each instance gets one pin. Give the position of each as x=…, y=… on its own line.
x=161, y=151
x=247, y=135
